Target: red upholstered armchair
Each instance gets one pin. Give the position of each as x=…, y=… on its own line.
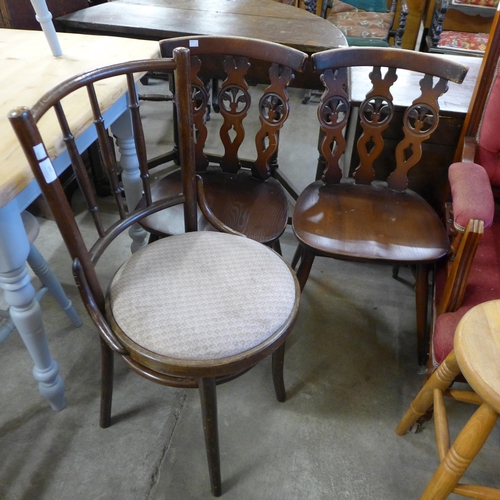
x=473, y=274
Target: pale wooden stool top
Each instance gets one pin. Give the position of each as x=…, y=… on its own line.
x=477, y=348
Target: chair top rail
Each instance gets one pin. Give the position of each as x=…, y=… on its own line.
x=390, y=58
x=238, y=46
x=50, y=98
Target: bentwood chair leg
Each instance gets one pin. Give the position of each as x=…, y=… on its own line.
x=306, y=263
x=421, y=298
x=441, y=379
x=276, y=246
x=296, y=257
x=278, y=363
x=107, y=363
x=461, y=454
x=208, y=397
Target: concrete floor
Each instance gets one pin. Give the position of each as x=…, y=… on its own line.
x=350, y=372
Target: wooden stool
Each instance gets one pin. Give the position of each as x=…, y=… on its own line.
x=45, y=275
x=476, y=355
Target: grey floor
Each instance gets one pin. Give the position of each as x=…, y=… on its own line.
x=350, y=372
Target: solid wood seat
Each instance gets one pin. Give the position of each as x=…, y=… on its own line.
x=193, y=310
x=372, y=213
x=239, y=191
x=476, y=355
x=242, y=194
x=369, y=222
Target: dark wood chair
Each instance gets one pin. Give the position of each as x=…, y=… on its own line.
x=244, y=195
x=187, y=311
x=461, y=26
x=373, y=215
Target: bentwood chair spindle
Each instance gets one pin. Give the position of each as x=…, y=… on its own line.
x=186, y=311
x=373, y=215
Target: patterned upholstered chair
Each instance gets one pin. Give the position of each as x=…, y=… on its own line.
x=369, y=22
x=461, y=26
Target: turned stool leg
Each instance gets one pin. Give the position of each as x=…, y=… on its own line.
x=441, y=379
x=461, y=454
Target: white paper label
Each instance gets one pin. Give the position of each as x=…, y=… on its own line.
x=39, y=152
x=193, y=43
x=48, y=171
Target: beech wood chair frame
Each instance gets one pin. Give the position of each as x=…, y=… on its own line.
x=162, y=369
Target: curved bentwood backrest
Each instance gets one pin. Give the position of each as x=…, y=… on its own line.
x=84, y=91
x=377, y=110
x=238, y=61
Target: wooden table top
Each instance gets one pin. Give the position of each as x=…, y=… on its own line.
x=455, y=101
x=158, y=19
x=29, y=70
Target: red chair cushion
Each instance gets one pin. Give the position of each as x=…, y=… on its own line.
x=480, y=3
x=461, y=40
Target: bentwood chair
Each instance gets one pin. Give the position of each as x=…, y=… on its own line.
x=49, y=280
x=244, y=195
x=373, y=215
x=187, y=311
x=475, y=356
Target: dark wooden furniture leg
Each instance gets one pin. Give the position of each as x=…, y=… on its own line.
x=208, y=398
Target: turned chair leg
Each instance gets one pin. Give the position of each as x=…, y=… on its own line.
x=467, y=445
x=276, y=246
x=441, y=379
x=107, y=363
x=208, y=398
x=278, y=363
x=296, y=257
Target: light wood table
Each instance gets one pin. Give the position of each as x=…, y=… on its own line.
x=28, y=71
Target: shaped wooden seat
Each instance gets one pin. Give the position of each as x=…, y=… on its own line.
x=193, y=310
x=244, y=195
x=362, y=217
x=475, y=356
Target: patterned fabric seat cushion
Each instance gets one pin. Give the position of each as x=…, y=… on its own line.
x=202, y=296
x=360, y=24
x=461, y=40
x=480, y=3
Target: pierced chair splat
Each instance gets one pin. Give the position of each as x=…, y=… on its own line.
x=223, y=315
x=244, y=195
x=373, y=215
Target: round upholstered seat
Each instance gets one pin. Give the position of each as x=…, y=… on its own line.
x=200, y=297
